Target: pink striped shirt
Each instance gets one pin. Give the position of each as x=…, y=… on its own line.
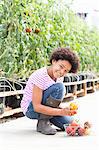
x=39, y=78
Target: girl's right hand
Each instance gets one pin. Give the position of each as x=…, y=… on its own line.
x=67, y=112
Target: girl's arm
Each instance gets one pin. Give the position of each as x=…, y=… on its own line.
x=38, y=107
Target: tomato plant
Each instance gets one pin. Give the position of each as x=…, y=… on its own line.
x=50, y=25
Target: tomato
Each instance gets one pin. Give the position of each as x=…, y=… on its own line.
x=73, y=106
x=87, y=125
x=74, y=124
x=37, y=30
x=70, y=131
x=81, y=131
x=28, y=30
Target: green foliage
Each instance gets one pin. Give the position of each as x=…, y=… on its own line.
x=51, y=25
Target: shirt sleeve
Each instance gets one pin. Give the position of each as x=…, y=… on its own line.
x=38, y=80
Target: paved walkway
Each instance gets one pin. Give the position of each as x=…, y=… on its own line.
x=21, y=134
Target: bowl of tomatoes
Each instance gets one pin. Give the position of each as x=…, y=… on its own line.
x=76, y=129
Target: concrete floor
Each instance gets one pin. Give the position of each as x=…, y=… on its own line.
x=21, y=133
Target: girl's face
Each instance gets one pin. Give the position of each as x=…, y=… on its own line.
x=60, y=68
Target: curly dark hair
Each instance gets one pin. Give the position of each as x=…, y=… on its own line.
x=66, y=54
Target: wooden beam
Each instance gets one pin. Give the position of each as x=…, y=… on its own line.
x=80, y=82
x=10, y=112
x=9, y=93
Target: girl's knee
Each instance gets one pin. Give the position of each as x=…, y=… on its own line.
x=59, y=91
x=60, y=86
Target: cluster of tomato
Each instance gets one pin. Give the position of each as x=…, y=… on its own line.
x=29, y=30
x=74, y=129
x=73, y=107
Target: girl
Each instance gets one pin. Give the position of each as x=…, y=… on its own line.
x=45, y=91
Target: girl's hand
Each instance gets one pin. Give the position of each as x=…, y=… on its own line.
x=67, y=112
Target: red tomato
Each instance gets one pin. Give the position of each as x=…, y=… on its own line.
x=81, y=131
x=74, y=124
x=28, y=30
x=70, y=131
